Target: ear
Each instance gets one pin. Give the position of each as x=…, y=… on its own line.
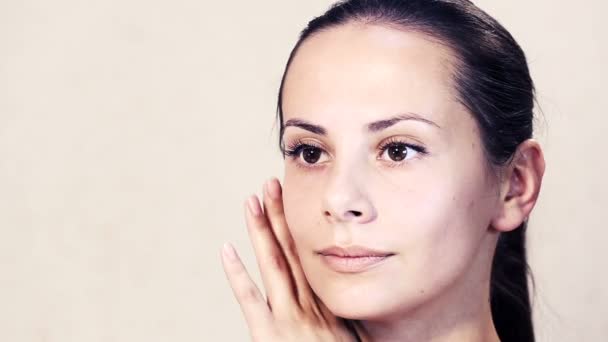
x=520, y=186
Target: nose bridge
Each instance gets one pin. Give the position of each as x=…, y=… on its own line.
x=346, y=196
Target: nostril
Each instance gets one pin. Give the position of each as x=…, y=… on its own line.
x=345, y=215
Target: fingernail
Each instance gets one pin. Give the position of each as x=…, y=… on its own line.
x=254, y=206
x=229, y=251
x=272, y=186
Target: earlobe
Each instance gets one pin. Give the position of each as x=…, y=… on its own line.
x=521, y=187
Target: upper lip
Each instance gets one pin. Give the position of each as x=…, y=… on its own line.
x=353, y=251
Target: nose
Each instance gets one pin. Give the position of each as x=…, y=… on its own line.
x=346, y=200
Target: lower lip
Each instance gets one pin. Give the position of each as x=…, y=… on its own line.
x=352, y=264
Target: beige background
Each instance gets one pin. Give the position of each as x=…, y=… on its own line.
x=132, y=131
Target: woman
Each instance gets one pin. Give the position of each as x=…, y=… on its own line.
x=410, y=173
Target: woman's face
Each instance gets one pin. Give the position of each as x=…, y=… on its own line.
x=430, y=206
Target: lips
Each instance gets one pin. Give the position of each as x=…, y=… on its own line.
x=352, y=259
x=353, y=251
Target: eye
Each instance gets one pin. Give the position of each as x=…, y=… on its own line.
x=308, y=152
x=398, y=151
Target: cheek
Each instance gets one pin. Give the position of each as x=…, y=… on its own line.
x=441, y=222
x=437, y=216
x=300, y=203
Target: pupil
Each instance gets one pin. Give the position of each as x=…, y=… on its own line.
x=311, y=155
x=397, y=152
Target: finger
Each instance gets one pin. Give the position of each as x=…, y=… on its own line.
x=274, y=269
x=273, y=207
x=252, y=303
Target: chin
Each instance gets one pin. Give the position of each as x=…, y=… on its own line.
x=358, y=311
x=359, y=302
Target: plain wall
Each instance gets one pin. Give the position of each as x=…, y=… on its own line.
x=132, y=131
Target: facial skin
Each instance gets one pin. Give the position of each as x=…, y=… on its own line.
x=438, y=210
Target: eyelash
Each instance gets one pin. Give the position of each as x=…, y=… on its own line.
x=293, y=150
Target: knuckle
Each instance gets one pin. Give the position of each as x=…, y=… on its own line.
x=259, y=223
x=248, y=293
x=275, y=207
x=315, y=313
x=291, y=247
x=263, y=223
x=277, y=261
x=301, y=317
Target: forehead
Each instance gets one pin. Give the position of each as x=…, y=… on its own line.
x=368, y=71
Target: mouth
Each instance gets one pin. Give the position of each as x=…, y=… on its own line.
x=352, y=259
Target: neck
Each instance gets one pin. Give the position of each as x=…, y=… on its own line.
x=461, y=313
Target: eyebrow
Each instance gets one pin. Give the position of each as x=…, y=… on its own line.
x=372, y=127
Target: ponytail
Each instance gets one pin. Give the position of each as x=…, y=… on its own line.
x=509, y=295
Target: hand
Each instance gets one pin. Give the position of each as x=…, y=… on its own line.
x=291, y=312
